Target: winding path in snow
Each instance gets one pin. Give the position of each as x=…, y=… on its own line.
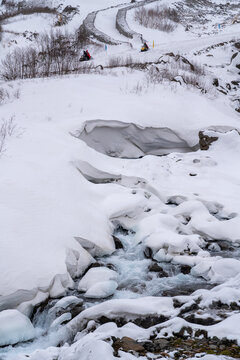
x=90, y=28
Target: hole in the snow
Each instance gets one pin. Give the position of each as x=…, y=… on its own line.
x=127, y=140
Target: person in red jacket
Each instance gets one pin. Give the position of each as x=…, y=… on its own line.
x=87, y=54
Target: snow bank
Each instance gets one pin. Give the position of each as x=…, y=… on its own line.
x=14, y=327
x=95, y=276
x=217, y=270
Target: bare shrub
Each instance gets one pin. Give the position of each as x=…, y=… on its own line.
x=1, y=31
x=7, y=129
x=179, y=72
x=137, y=89
x=17, y=94
x=159, y=17
x=20, y=64
x=58, y=53
x=118, y=61
x=82, y=37
x=4, y=95
x=85, y=68
x=53, y=54
x=115, y=61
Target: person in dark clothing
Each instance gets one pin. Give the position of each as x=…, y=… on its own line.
x=85, y=56
x=145, y=47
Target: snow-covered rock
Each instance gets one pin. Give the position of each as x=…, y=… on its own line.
x=15, y=327
x=95, y=276
x=102, y=289
x=217, y=270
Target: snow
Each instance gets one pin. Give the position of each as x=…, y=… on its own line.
x=218, y=271
x=14, y=327
x=95, y=276
x=66, y=301
x=62, y=197
x=102, y=289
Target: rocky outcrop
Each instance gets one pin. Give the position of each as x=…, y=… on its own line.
x=205, y=141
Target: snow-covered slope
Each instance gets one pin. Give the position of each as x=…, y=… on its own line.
x=89, y=210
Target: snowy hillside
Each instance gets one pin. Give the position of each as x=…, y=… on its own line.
x=120, y=180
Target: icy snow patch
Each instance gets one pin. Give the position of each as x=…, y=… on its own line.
x=95, y=276
x=15, y=327
x=102, y=289
x=217, y=270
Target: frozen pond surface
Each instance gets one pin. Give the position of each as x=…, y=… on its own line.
x=128, y=140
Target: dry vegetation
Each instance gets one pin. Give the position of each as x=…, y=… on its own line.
x=56, y=53
x=160, y=18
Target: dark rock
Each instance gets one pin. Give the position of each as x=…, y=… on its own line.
x=193, y=174
x=200, y=333
x=205, y=140
x=111, y=267
x=177, y=355
x=187, y=289
x=215, y=82
x=127, y=344
x=225, y=245
x=162, y=274
x=76, y=310
x=185, y=269
x=155, y=268
x=222, y=91
x=228, y=342
x=122, y=230
x=191, y=307
x=201, y=321
x=234, y=306
x=104, y=320
x=222, y=347
x=233, y=56
x=161, y=344
x=148, y=252
x=144, y=322
x=70, y=9
x=117, y=242
x=185, y=332
x=177, y=303
x=147, y=322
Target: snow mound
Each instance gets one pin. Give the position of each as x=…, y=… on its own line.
x=15, y=327
x=102, y=289
x=95, y=276
x=68, y=300
x=217, y=271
